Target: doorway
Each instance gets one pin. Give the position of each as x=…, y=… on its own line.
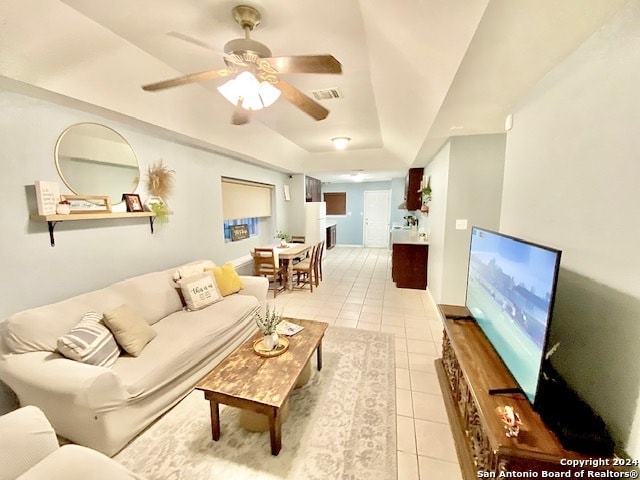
x=376, y=218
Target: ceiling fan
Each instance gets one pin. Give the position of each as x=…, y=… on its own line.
x=256, y=83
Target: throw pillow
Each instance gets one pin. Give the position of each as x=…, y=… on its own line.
x=191, y=269
x=90, y=342
x=132, y=332
x=227, y=279
x=199, y=291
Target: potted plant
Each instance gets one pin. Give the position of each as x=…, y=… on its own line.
x=426, y=192
x=161, y=210
x=267, y=324
x=160, y=183
x=284, y=238
x=426, y=196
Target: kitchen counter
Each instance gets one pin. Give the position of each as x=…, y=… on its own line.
x=407, y=237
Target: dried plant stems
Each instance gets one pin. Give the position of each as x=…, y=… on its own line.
x=160, y=181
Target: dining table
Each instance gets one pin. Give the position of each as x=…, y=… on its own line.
x=285, y=254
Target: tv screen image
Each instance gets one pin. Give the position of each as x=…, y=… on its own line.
x=510, y=291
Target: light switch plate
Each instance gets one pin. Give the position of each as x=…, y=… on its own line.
x=461, y=224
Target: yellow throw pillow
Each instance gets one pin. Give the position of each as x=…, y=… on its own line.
x=132, y=332
x=227, y=279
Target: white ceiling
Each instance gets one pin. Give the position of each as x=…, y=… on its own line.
x=415, y=72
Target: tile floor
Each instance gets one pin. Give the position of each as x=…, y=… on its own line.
x=357, y=291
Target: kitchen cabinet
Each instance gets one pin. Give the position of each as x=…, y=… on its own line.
x=412, y=185
x=409, y=256
x=312, y=189
x=331, y=236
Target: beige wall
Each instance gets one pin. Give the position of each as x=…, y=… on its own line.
x=438, y=171
x=572, y=178
x=466, y=179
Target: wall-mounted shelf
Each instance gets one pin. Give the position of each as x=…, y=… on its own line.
x=53, y=220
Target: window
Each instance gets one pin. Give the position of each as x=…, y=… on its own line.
x=252, y=223
x=336, y=203
x=243, y=199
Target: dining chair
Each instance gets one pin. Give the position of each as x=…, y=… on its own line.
x=264, y=265
x=305, y=271
x=298, y=239
x=319, y=262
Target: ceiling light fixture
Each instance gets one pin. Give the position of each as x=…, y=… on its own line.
x=340, y=143
x=246, y=91
x=357, y=177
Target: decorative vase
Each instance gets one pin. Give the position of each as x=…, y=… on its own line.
x=270, y=341
x=283, y=243
x=63, y=209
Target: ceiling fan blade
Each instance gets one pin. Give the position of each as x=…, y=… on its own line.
x=305, y=64
x=186, y=79
x=302, y=101
x=195, y=41
x=229, y=58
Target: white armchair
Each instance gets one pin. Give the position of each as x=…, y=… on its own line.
x=29, y=450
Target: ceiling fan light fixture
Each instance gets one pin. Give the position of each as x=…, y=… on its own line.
x=268, y=94
x=247, y=91
x=340, y=143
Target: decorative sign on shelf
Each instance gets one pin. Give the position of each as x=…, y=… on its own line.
x=88, y=203
x=47, y=197
x=239, y=232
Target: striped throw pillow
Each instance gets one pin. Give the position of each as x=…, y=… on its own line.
x=90, y=342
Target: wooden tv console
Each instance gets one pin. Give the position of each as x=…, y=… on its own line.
x=469, y=368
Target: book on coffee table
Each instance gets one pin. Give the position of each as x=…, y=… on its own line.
x=287, y=328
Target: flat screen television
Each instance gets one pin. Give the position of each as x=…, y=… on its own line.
x=511, y=287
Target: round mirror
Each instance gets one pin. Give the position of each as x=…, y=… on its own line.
x=95, y=160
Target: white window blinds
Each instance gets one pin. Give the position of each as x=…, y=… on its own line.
x=243, y=199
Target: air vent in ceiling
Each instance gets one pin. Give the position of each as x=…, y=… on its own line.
x=327, y=94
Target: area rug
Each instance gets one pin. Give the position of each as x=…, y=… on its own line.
x=341, y=425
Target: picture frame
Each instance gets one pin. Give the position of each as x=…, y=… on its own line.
x=239, y=232
x=79, y=204
x=133, y=202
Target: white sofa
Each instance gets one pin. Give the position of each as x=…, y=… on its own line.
x=29, y=450
x=104, y=408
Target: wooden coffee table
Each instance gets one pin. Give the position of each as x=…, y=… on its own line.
x=246, y=380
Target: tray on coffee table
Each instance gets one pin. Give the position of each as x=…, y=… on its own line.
x=279, y=349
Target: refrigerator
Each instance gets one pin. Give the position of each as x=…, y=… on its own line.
x=315, y=222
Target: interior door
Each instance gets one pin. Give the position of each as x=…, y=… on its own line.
x=376, y=218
